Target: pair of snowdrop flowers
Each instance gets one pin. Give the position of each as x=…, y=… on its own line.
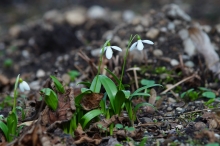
x=23, y=86
x=137, y=45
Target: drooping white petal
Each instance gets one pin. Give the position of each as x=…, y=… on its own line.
x=103, y=51
x=133, y=46
x=116, y=48
x=109, y=52
x=25, y=86
x=140, y=45
x=21, y=87
x=148, y=42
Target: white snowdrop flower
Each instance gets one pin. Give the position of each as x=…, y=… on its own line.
x=139, y=44
x=23, y=86
x=109, y=51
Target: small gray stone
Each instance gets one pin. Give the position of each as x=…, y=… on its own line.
x=157, y=53
x=171, y=26
x=189, y=47
x=217, y=27
x=35, y=85
x=96, y=12
x=76, y=16
x=40, y=73
x=53, y=16
x=189, y=64
x=169, y=109
x=171, y=100
x=139, y=28
x=153, y=33
x=184, y=34
x=128, y=15
x=174, y=62
x=66, y=78
x=96, y=52
x=179, y=109
x=25, y=54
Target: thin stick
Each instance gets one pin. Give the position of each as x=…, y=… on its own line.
x=180, y=82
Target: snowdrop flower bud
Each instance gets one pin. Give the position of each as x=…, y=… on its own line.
x=139, y=44
x=109, y=51
x=23, y=86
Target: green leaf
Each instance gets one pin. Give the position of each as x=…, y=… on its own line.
x=89, y=116
x=58, y=85
x=209, y=94
x=143, y=141
x=140, y=94
x=203, y=89
x=85, y=90
x=143, y=88
x=50, y=98
x=73, y=74
x=127, y=93
x=96, y=85
x=110, y=89
x=147, y=82
x=12, y=125
x=4, y=129
x=212, y=144
x=129, y=109
x=119, y=126
x=115, y=77
x=87, y=84
x=209, y=101
x=142, y=104
x=119, y=101
x=129, y=128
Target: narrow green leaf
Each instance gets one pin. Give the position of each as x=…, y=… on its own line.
x=127, y=93
x=50, y=98
x=58, y=85
x=110, y=88
x=119, y=101
x=129, y=109
x=119, y=126
x=115, y=77
x=87, y=84
x=145, y=87
x=96, y=85
x=209, y=94
x=129, y=129
x=140, y=94
x=143, y=141
x=4, y=129
x=203, y=89
x=12, y=125
x=147, y=82
x=142, y=104
x=85, y=89
x=89, y=116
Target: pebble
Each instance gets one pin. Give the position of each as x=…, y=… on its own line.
x=96, y=12
x=146, y=120
x=169, y=109
x=171, y=100
x=164, y=75
x=53, y=16
x=2, y=46
x=189, y=64
x=139, y=28
x=128, y=16
x=171, y=26
x=179, y=127
x=157, y=53
x=163, y=29
x=75, y=17
x=25, y=53
x=35, y=85
x=179, y=109
x=152, y=33
x=96, y=52
x=183, y=33
x=66, y=78
x=174, y=62
x=189, y=47
x=14, y=31
x=40, y=73
x=206, y=28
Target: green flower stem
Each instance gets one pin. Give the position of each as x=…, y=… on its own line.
x=125, y=58
x=15, y=94
x=100, y=59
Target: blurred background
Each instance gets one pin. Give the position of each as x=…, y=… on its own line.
x=18, y=11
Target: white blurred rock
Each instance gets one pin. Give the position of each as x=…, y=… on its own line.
x=152, y=33
x=128, y=16
x=189, y=64
x=96, y=52
x=35, y=85
x=189, y=47
x=139, y=28
x=157, y=52
x=53, y=16
x=40, y=73
x=174, y=62
x=76, y=16
x=25, y=53
x=217, y=27
x=183, y=33
x=96, y=12
x=171, y=26
x=14, y=31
